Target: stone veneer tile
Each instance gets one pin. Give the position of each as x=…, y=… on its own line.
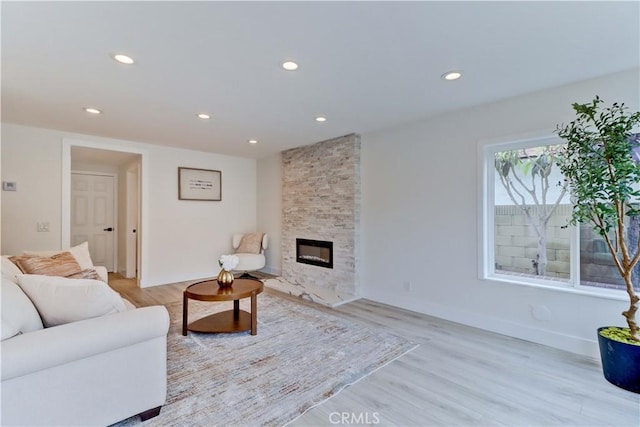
x=319, y=295
x=321, y=201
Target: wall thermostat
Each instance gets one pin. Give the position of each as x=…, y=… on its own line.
x=9, y=186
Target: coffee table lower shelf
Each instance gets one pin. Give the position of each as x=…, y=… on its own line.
x=222, y=322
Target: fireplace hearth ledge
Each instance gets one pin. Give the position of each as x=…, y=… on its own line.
x=317, y=294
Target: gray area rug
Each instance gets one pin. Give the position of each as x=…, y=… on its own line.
x=300, y=357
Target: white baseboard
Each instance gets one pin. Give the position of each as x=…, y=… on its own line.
x=569, y=343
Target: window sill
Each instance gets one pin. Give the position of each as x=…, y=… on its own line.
x=611, y=294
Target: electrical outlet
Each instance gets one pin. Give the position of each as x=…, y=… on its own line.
x=43, y=227
x=407, y=286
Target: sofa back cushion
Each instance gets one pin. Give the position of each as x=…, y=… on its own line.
x=60, y=300
x=18, y=312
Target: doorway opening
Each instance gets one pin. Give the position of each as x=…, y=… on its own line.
x=102, y=204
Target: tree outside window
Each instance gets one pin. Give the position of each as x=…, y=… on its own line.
x=531, y=211
x=528, y=178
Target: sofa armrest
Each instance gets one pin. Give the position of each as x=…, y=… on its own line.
x=50, y=347
x=102, y=272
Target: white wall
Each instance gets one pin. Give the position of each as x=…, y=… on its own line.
x=420, y=197
x=420, y=218
x=30, y=157
x=270, y=209
x=182, y=239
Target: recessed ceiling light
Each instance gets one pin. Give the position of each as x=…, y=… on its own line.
x=204, y=116
x=123, y=59
x=290, y=66
x=320, y=119
x=253, y=141
x=452, y=75
x=92, y=110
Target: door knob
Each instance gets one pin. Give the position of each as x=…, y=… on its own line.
x=108, y=229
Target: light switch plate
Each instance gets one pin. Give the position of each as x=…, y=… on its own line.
x=9, y=186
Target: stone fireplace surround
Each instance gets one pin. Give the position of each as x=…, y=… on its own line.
x=321, y=201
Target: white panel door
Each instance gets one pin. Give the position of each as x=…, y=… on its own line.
x=93, y=216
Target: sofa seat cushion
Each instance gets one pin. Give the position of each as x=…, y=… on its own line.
x=18, y=312
x=250, y=262
x=60, y=300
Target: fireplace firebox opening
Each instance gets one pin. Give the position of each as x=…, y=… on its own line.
x=314, y=252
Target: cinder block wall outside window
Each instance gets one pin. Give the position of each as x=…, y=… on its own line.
x=516, y=246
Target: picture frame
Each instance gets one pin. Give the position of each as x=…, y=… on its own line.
x=199, y=184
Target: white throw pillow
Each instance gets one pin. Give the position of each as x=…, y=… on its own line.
x=17, y=309
x=60, y=300
x=80, y=253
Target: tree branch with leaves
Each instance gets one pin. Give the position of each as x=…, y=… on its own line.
x=601, y=166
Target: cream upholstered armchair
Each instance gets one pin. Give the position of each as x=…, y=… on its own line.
x=250, y=248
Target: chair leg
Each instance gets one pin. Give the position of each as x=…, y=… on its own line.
x=246, y=275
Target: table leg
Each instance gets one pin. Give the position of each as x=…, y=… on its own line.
x=236, y=309
x=254, y=314
x=185, y=309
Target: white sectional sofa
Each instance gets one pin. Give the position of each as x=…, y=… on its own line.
x=90, y=372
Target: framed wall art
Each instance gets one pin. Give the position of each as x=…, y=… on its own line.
x=199, y=184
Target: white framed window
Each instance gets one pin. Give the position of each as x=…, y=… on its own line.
x=525, y=233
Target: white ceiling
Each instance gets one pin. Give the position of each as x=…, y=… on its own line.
x=364, y=65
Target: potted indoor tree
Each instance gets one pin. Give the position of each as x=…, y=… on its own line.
x=601, y=165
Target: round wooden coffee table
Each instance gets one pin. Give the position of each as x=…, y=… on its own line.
x=235, y=320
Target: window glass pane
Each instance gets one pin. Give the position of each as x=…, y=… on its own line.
x=597, y=268
x=531, y=212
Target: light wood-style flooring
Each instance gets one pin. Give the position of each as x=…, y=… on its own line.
x=458, y=376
